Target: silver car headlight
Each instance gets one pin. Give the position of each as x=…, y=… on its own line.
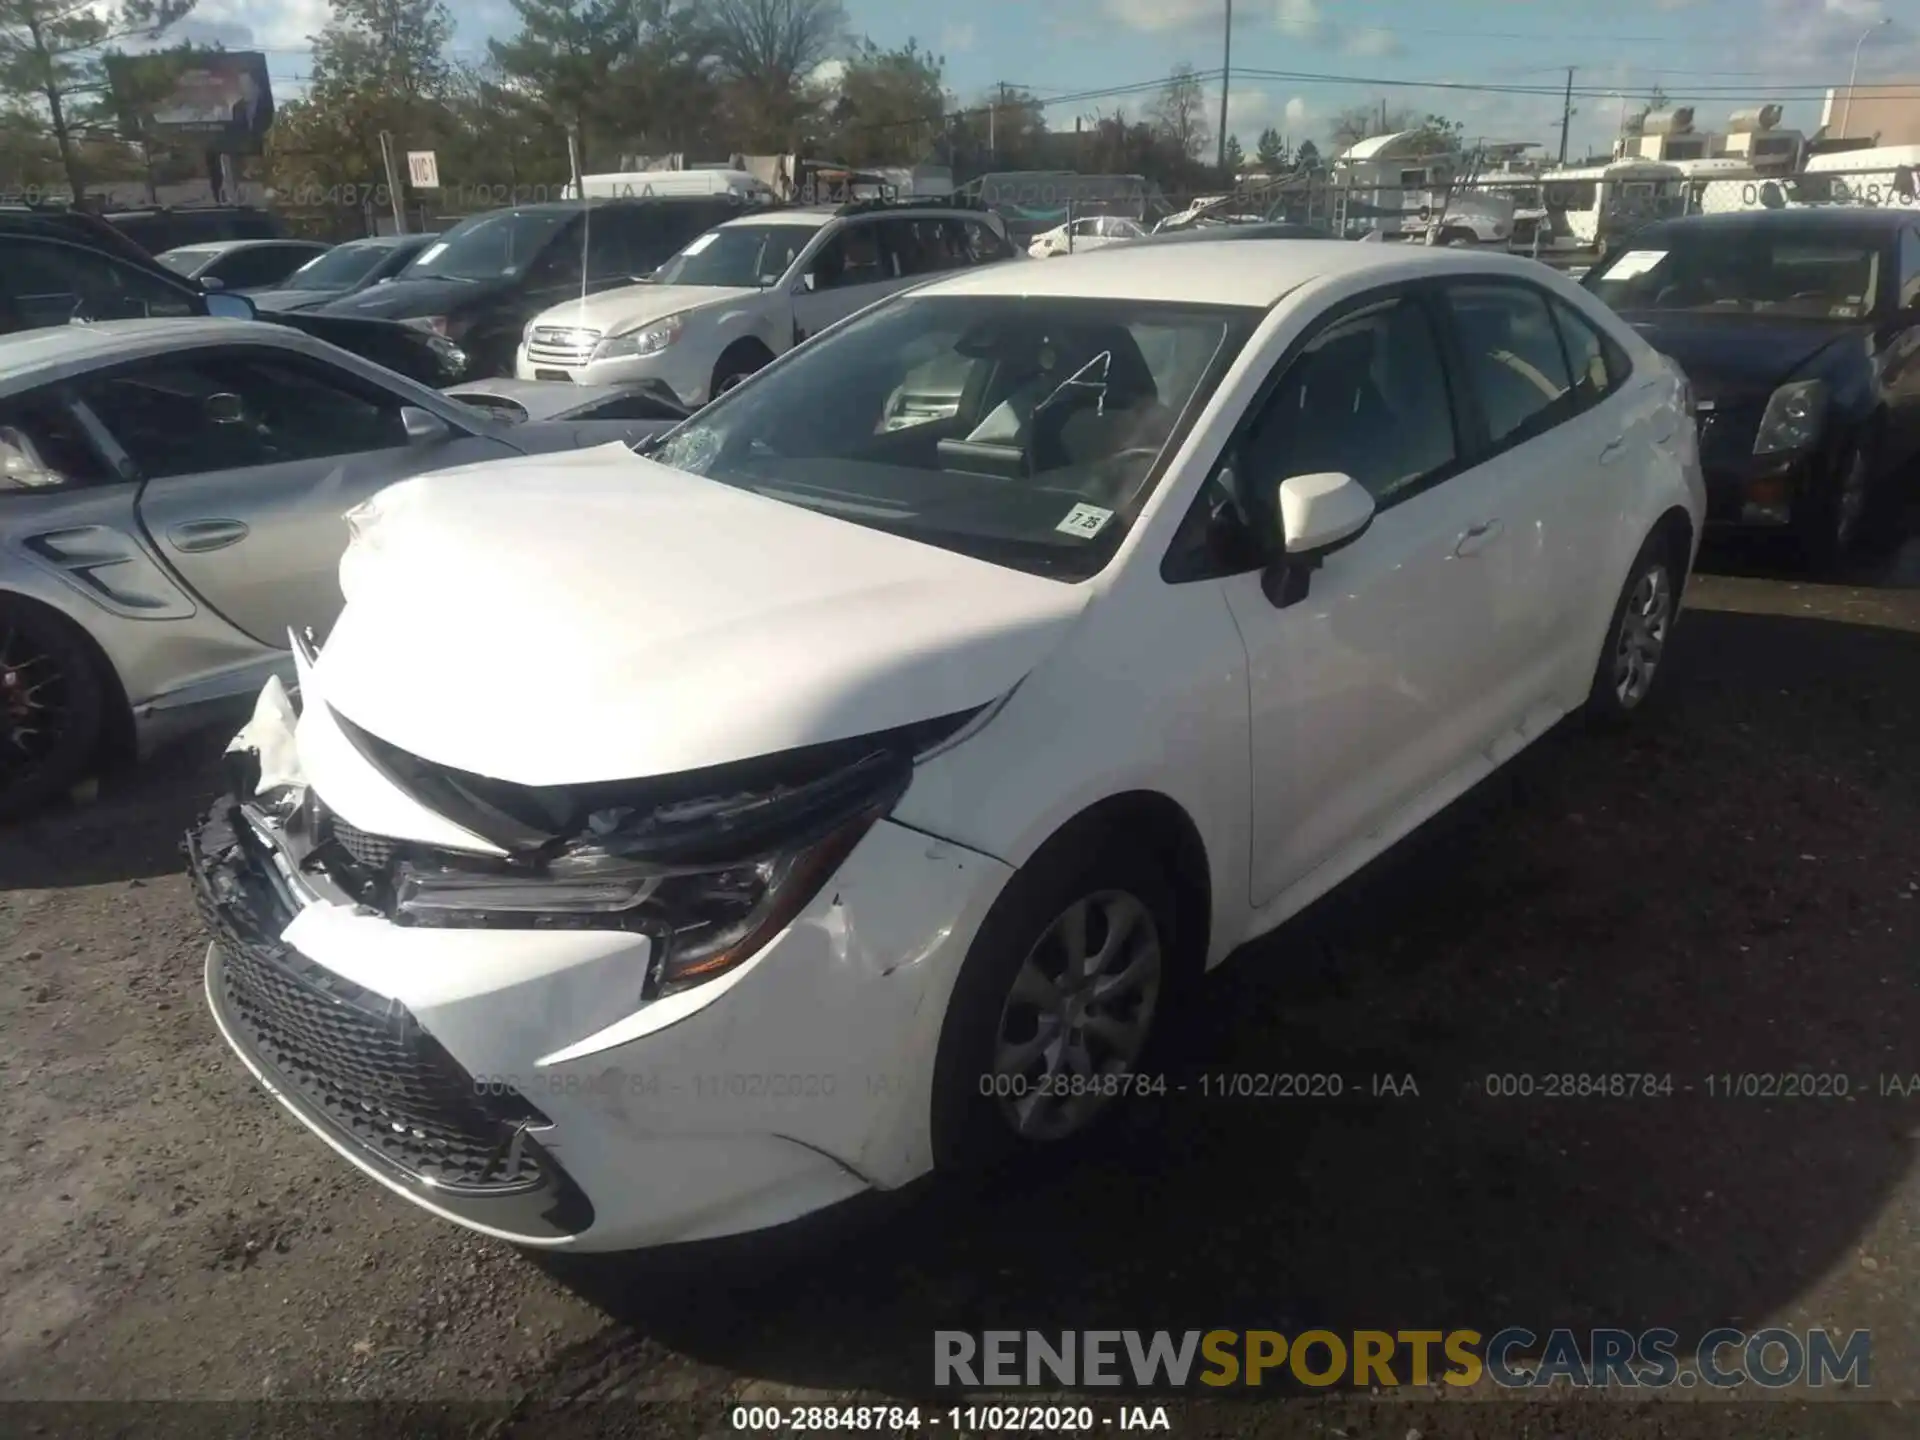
x=648, y=340
x=1794, y=416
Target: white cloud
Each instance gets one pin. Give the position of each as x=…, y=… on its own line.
x=1299, y=19
x=1371, y=42
x=1154, y=15
x=955, y=38
x=276, y=25
x=1298, y=112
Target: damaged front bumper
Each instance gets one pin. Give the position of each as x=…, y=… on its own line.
x=527, y=1082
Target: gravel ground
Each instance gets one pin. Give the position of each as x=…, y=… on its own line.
x=1735, y=889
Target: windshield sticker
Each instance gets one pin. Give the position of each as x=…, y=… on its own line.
x=1634, y=262
x=431, y=253
x=1086, y=521
x=700, y=244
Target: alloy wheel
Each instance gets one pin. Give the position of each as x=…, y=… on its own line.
x=33, y=707
x=1643, y=635
x=1078, y=1014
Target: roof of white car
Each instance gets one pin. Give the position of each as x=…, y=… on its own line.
x=29, y=351
x=1218, y=272
x=808, y=219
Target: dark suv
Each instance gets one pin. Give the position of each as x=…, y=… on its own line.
x=58, y=266
x=484, y=279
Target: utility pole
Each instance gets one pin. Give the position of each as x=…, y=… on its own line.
x=1566, y=116
x=394, y=191
x=1226, y=74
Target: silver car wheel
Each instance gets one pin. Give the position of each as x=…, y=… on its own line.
x=1643, y=635
x=1077, y=1014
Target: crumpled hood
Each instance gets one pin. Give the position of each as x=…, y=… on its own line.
x=614, y=312
x=564, y=619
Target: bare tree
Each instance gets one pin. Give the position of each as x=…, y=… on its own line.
x=766, y=50
x=1179, y=114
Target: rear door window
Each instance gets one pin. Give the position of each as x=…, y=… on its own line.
x=1515, y=363
x=47, y=282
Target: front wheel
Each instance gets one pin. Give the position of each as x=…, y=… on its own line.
x=1835, y=520
x=1055, y=1005
x=52, y=709
x=1636, y=645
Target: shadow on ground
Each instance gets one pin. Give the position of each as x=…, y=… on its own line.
x=127, y=827
x=1729, y=891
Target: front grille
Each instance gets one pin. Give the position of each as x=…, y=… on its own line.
x=358, y=1059
x=556, y=345
x=370, y=852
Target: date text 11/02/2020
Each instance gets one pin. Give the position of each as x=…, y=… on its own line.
x=960, y=1419
x=1206, y=1085
x=1724, y=1085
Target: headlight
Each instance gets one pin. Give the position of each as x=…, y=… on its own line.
x=1793, y=418
x=709, y=882
x=452, y=359
x=648, y=340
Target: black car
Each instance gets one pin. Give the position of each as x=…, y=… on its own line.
x=346, y=269
x=58, y=266
x=1799, y=330
x=480, y=283
x=169, y=227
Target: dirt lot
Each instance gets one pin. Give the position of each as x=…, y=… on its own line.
x=1736, y=889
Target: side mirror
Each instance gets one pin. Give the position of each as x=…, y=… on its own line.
x=231, y=307
x=1318, y=515
x=423, y=427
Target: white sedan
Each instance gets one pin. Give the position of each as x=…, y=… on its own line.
x=1091, y=233
x=872, y=788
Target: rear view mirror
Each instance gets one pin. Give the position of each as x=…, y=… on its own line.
x=1318, y=515
x=807, y=284
x=212, y=282
x=225, y=408
x=231, y=307
x=422, y=426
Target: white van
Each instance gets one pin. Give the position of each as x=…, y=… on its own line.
x=1595, y=202
x=1879, y=177
x=676, y=185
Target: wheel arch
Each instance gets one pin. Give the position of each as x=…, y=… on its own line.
x=1163, y=829
x=117, y=738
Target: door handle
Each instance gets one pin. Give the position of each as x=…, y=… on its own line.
x=1478, y=538
x=1610, y=451
x=196, y=536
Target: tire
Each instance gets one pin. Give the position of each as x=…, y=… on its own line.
x=1639, y=634
x=48, y=680
x=1838, y=521
x=734, y=367
x=1003, y=1004
x=1454, y=235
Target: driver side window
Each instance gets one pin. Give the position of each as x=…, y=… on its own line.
x=1367, y=397
x=238, y=409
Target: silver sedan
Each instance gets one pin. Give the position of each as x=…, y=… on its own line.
x=172, y=495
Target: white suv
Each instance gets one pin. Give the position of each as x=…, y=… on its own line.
x=752, y=289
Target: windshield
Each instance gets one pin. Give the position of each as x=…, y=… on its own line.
x=737, y=255
x=337, y=268
x=1028, y=431
x=185, y=262
x=487, y=247
x=1722, y=270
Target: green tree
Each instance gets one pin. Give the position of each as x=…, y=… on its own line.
x=890, y=107
x=53, y=62
x=562, y=63
x=1271, y=151
x=1307, y=158
x=1236, y=157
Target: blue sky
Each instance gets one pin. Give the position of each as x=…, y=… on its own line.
x=1719, y=55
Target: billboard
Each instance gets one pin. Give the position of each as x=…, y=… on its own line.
x=216, y=100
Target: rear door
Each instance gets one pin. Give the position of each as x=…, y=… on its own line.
x=857, y=266
x=250, y=456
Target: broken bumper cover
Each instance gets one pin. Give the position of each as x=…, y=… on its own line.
x=516, y=1081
